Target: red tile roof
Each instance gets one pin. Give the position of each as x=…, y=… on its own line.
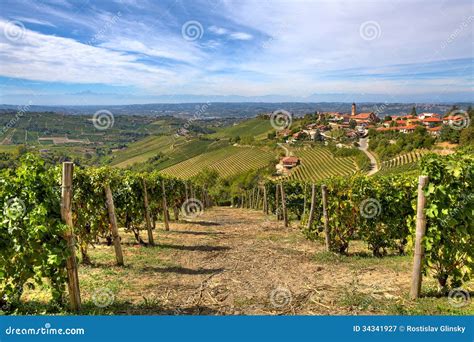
x=290, y=160
x=362, y=116
x=432, y=120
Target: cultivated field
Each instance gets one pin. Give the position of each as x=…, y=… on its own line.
x=403, y=163
x=318, y=163
x=257, y=128
x=227, y=161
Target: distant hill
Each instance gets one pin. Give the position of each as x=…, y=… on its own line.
x=202, y=110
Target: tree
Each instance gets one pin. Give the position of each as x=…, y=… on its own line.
x=467, y=136
x=352, y=123
x=413, y=111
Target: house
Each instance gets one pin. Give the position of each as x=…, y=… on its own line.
x=407, y=129
x=423, y=116
x=289, y=162
x=432, y=122
x=436, y=131
x=450, y=120
x=365, y=118
x=284, y=133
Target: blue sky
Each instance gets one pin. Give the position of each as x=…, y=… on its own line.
x=138, y=51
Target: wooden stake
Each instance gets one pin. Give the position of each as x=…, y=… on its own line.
x=304, y=200
x=176, y=213
x=151, y=241
x=66, y=215
x=165, y=206
x=113, y=225
x=313, y=204
x=186, y=191
x=265, y=200
x=277, y=200
x=324, y=192
x=283, y=204
x=420, y=233
x=258, y=198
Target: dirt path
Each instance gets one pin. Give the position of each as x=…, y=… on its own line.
x=374, y=166
x=235, y=261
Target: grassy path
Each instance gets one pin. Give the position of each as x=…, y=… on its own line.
x=235, y=261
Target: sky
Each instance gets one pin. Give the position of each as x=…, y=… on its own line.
x=79, y=52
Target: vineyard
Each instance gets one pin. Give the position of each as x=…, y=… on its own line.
x=226, y=161
x=403, y=163
x=318, y=163
x=257, y=128
x=199, y=265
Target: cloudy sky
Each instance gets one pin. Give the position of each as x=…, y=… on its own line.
x=137, y=51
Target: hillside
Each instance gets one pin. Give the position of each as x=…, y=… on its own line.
x=257, y=128
x=318, y=163
x=403, y=163
x=227, y=161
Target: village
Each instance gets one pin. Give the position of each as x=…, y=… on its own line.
x=347, y=129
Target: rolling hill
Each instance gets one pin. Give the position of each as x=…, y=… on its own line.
x=228, y=161
x=318, y=163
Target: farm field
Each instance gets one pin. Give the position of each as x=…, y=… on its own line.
x=403, y=163
x=227, y=161
x=235, y=261
x=318, y=163
x=257, y=128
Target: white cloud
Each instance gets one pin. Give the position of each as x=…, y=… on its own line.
x=56, y=59
x=34, y=21
x=240, y=36
x=218, y=30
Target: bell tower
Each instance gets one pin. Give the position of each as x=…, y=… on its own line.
x=354, y=110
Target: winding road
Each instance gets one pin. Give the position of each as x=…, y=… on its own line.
x=363, y=146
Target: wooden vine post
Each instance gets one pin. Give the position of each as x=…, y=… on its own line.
x=258, y=199
x=312, y=208
x=324, y=193
x=113, y=225
x=420, y=233
x=277, y=200
x=304, y=199
x=66, y=215
x=186, y=191
x=265, y=200
x=283, y=205
x=151, y=241
x=165, y=206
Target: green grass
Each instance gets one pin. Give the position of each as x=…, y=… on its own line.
x=227, y=161
x=257, y=128
x=318, y=163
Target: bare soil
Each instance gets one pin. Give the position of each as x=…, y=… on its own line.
x=234, y=261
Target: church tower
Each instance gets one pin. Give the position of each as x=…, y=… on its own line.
x=354, y=110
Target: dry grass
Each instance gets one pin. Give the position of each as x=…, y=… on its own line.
x=234, y=261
